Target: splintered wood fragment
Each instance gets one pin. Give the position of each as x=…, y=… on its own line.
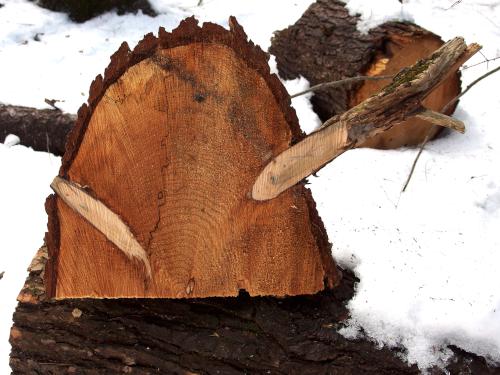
x=102, y=218
x=172, y=140
x=396, y=102
x=442, y=120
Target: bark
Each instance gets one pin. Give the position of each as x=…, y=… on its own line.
x=81, y=11
x=41, y=129
x=294, y=335
x=324, y=45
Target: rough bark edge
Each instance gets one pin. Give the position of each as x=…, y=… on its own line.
x=332, y=275
x=52, y=238
x=187, y=32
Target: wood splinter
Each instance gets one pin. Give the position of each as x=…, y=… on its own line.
x=102, y=218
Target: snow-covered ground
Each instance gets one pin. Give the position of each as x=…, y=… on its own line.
x=427, y=258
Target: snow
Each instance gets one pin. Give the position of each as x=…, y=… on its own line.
x=374, y=13
x=11, y=140
x=25, y=177
x=426, y=258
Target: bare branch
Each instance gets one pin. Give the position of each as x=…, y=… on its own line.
x=446, y=107
x=341, y=82
x=455, y=99
x=465, y=67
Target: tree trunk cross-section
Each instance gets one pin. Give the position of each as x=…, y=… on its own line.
x=324, y=45
x=236, y=335
x=171, y=142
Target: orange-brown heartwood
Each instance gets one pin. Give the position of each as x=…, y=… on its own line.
x=171, y=141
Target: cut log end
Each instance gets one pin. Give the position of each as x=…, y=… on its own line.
x=169, y=147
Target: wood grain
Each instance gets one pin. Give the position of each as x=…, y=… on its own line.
x=172, y=145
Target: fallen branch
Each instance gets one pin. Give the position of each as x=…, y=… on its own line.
x=41, y=129
x=446, y=107
x=398, y=101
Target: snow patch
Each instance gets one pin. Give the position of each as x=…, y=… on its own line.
x=25, y=176
x=11, y=140
x=375, y=13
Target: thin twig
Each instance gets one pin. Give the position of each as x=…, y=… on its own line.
x=455, y=99
x=427, y=137
x=465, y=67
x=445, y=108
x=455, y=3
x=341, y=82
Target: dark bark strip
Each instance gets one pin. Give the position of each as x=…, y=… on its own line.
x=81, y=11
x=41, y=129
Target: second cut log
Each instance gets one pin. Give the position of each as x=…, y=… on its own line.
x=325, y=45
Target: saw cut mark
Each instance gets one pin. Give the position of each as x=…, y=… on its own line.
x=102, y=218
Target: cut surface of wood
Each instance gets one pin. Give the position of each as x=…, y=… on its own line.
x=172, y=140
x=102, y=218
x=325, y=45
